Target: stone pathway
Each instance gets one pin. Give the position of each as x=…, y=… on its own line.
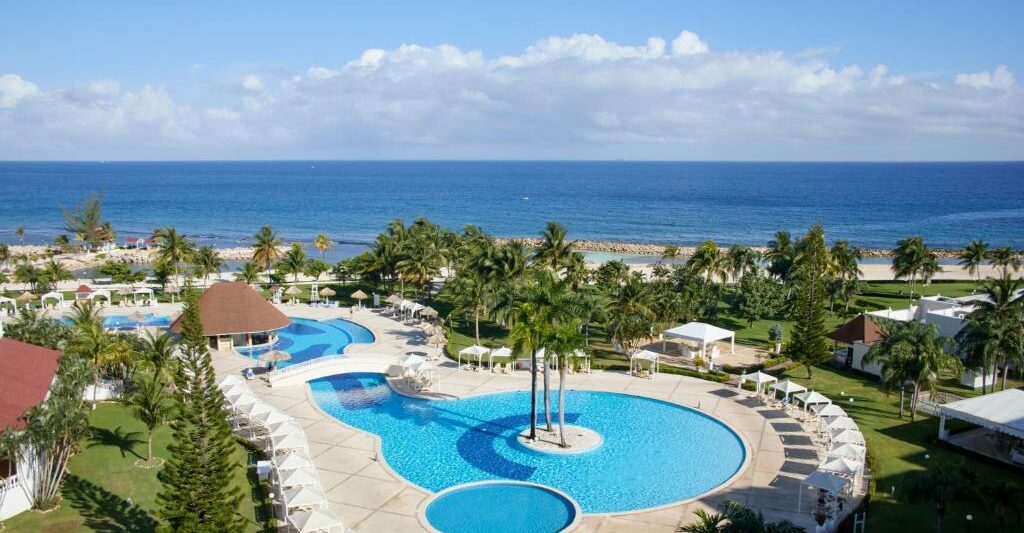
x=364, y=491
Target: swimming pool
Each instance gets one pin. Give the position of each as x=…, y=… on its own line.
x=307, y=339
x=501, y=507
x=126, y=322
x=654, y=453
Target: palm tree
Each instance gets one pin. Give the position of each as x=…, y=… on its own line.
x=553, y=251
x=1004, y=500
x=706, y=523
x=53, y=273
x=994, y=333
x=912, y=258
x=20, y=232
x=322, y=243
x=26, y=272
x=630, y=313
x=91, y=342
x=1005, y=259
x=250, y=273
x=736, y=517
x=207, y=261
x=294, y=261
x=267, y=248
x=471, y=295
x=740, y=259
x=149, y=404
x=844, y=271
x=781, y=252
x=944, y=482
x=566, y=340
x=5, y=254
x=173, y=249
x=973, y=256
x=708, y=263
x=159, y=349
x=916, y=351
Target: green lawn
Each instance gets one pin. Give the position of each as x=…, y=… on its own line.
x=898, y=447
x=102, y=477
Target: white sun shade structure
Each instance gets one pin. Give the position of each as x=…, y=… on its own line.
x=292, y=441
x=811, y=397
x=646, y=355
x=788, y=387
x=847, y=436
x=822, y=480
x=240, y=396
x=475, y=350
x=255, y=409
x=303, y=498
x=702, y=333
x=759, y=378
x=412, y=361
x=292, y=461
x=230, y=379
x=53, y=295
x=847, y=450
x=841, y=466
x=500, y=352
x=1000, y=411
x=316, y=521
x=235, y=388
x=839, y=422
x=828, y=409
x=300, y=477
x=274, y=418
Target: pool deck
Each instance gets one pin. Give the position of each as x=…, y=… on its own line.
x=364, y=491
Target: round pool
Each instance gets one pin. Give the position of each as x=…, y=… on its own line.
x=654, y=453
x=501, y=507
x=307, y=339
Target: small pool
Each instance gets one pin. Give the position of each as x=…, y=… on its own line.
x=126, y=322
x=307, y=339
x=654, y=453
x=501, y=507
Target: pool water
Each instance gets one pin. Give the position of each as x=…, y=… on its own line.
x=501, y=508
x=654, y=453
x=307, y=339
x=125, y=322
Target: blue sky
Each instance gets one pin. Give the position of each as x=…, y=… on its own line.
x=158, y=80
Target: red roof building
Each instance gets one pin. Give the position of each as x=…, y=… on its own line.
x=26, y=373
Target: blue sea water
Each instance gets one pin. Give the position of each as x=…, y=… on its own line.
x=654, y=453
x=871, y=204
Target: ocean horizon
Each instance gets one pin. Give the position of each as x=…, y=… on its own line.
x=871, y=204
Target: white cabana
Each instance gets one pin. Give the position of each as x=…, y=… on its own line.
x=811, y=397
x=824, y=481
x=473, y=351
x=759, y=378
x=828, y=409
x=230, y=379
x=412, y=360
x=847, y=436
x=847, y=450
x=500, y=352
x=239, y=396
x=841, y=466
x=702, y=333
x=316, y=521
x=300, y=477
x=52, y=295
x=100, y=293
x=788, y=387
x=274, y=418
x=9, y=301
x=292, y=461
x=303, y=497
x=1000, y=411
x=839, y=422
x=289, y=441
x=254, y=409
x=653, y=359
x=148, y=297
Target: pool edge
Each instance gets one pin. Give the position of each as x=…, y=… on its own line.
x=421, y=511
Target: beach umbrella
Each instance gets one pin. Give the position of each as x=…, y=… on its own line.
x=359, y=295
x=393, y=299
x=429, y=312
x=293, y=291
x=26, y=297
x=274, y=356
x=327, y=291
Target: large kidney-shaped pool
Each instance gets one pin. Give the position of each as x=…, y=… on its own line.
x=654, y=453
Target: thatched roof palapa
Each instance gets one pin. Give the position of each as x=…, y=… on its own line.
x=234, y=308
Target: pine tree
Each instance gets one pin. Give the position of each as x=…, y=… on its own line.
x=807, y=344
x=197, y=493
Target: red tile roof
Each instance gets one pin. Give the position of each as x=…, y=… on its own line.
x=26, y=372
x=860, y=329
x=83, y=289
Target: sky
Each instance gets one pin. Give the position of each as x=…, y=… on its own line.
x=666, y=80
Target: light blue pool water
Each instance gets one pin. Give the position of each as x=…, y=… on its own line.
x=501, y=508
x=654, y=453
x=125, y=322
x=307, y=339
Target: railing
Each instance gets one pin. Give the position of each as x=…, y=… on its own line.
x=8, y=483
x=305, y=364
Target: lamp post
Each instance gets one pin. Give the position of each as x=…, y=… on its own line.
x=970, y=518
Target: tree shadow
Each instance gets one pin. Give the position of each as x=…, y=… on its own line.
x=125, y=441
x=104, y=511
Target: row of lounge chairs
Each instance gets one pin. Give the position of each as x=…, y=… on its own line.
x=299, y=500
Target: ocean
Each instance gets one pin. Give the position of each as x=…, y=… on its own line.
x=224, y=203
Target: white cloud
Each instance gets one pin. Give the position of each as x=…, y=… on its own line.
x=574, y=96
x=253, y=83
x=14, y=88
x=1001, y=79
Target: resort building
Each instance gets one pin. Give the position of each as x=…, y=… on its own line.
x=996, y=427
x=26, y=372
x=233, y=314
x=858, y=335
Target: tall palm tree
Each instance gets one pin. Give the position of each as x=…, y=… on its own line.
x=322, y=243
x=266, y=248
x=150, y=405
x=53, y=273
x=5, y=254
x=914, y=350
x=707, y=262
x=844, y=271
x=91, y=342
x=20, y=232
x=249, y=273
x=781, y=252
x=294, y=261
x=912, y=258
x=159, y=349
x=740, y=259
x=630, y=313
x=994, y=333
x=471, y=296
x=207, y=261
x=25, y=272
x=1005, y=259
x=973, y=256
x=554, y=250
x=566, y=340
x=173, y=249
x=670, y=253
x=943, y=482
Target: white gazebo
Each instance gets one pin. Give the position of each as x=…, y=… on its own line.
x=788, y=387
x=703, y=334
x=473, y=351
x=847, y=436
x=1000, y=417
x=839, y=422
x=316, y=521
x=825, y=481
x=148, y=296
x=300, y=477
x=847, y=450
x=828, y=409
x=652, y=359
x=52, y=295
x=100, y=293
x=500, y=352
x=811, y=397
x=759, y=378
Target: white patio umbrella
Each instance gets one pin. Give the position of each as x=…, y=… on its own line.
x=303, y=496
x=473, y=351
x=287, y=428
x=316, y=520
x=839, y=422
x=841, y=466
x=300, y=477
x=788, y=387
x=829, y=409
x=293, y=461
x=847, y=450
x=847, y=436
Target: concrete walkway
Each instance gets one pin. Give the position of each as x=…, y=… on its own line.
x=370, y=497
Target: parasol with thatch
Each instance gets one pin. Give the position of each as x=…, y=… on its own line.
x=274, y=356
x=327, y=291
x=26, y=297
x=428, y=312
x=138, y=318
x=393, y=299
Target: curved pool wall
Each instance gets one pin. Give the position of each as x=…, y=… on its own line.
x=501, y=507
x=307, y=339
x=126, y=322
x=655, y=453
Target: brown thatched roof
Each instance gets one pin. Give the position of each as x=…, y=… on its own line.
x=860, y=329
x=230, y=308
